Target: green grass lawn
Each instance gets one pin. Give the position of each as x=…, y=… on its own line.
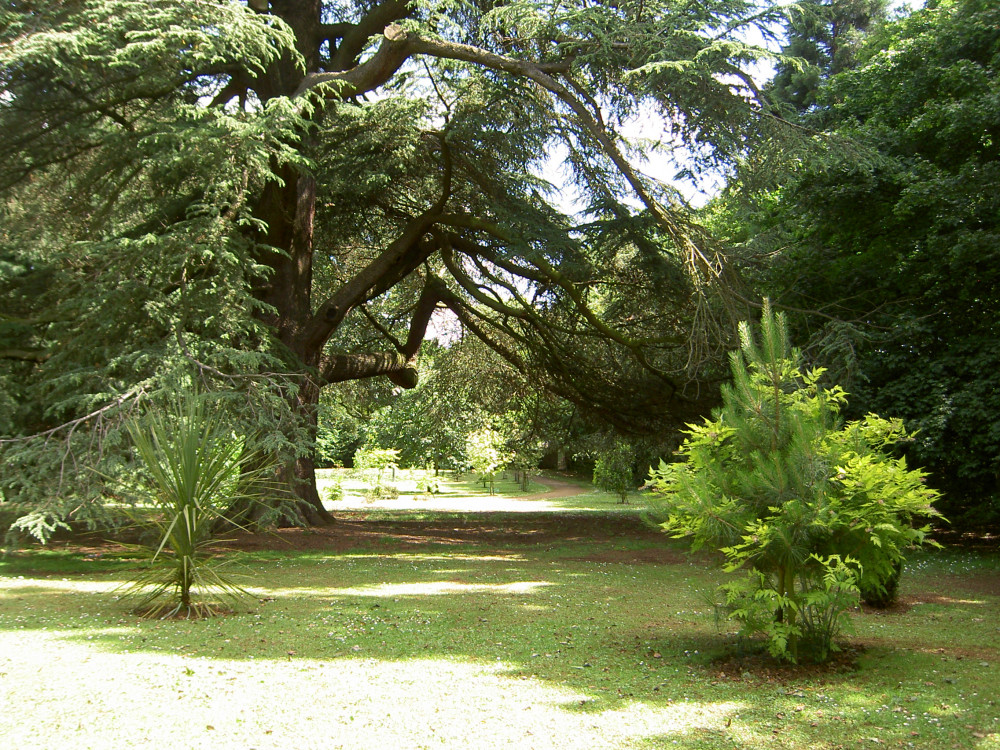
x=576, y=493
x=526, y=640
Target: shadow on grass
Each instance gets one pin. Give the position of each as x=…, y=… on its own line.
x=625, y=638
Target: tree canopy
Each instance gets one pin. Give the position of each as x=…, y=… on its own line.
x=274, y=197
x=882, y=244
x=906, y=239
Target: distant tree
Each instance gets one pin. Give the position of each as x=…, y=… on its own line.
x=824, y=37
x=614, y=470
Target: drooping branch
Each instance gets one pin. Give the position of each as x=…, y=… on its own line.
x=545, y=272
x=26, y=355
x=383, y=331
x=399, y=366
x=132, y=394
x=457, y=306
x=399, y=44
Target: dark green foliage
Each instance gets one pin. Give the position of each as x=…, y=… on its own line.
x=892, y=235
x=823, y=39
x=614, y=470
x=882, y=594
x=809, y=506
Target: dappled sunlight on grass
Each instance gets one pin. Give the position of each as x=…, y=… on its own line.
x=358, y=702
x=421, y=557
x=56, y=586
x=562, y=644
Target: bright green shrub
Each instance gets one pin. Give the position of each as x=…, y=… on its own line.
x=808, y=506
x=484, y=450
x=334, y=491
x=372, y=463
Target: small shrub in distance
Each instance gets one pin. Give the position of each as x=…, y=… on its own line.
x=484, y=450
x=429, y=484
x=613, y=470
x=334, y=491
x=374, y=464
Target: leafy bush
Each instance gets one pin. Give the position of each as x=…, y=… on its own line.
x=198, y=468
x=810, y=507
x=381, y=491
x=484, y=450
x=334, y=491
x=372, y=463
x=429, y=484
x=882, y=594
x=613, y=470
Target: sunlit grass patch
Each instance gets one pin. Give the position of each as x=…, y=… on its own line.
x=564, y=645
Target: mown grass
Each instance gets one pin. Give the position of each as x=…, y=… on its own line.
x=557, y=643
x=470, y=490
x=406, y=482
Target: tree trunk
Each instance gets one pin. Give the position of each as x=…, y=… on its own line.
x=301, y=473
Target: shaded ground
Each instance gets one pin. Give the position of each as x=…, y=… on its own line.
x=355, y=531
x=505, y=523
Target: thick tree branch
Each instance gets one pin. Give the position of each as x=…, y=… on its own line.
x=27, y=355
x=395, y=263
x=434, y=291
x=353, y=41
x=370, y=74
x=338, y=368
x=398, y=45
x=405, y=251
x=400, y=367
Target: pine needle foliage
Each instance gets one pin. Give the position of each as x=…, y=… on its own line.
x=272, y=198
x=808, y=506
x=197, y=469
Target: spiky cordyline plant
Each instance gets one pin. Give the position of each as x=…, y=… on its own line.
x=198, y=468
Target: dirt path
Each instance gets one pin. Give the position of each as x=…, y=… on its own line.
x=557, y=488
